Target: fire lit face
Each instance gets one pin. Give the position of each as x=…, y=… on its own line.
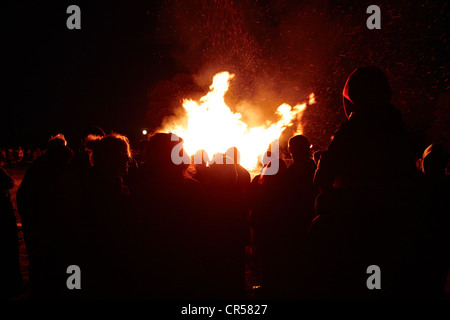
x=213, y=127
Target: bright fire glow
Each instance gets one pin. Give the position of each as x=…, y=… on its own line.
x=213, y=127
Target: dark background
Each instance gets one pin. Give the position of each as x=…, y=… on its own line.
x=133, y=61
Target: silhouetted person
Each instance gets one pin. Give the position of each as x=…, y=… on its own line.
x=108, y=222
x=371, y=204
x=296, y=195
x=299, y=177
x=227, y=231
x=11, y=278
x=171, y=222
x=371, y=146
x=225, y=227
x=139, y=157
x=269, y=224
x=433, y=165
x=44, y=225
x=289, y=220
x=82, y=158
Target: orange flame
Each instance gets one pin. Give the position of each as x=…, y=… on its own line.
x=213, y=127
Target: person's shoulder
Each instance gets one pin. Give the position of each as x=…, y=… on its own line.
x=240, y=168
x=344, y=130
x=256, y=179
x=243, y=173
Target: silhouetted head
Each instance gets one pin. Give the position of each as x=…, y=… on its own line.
x=234, y=154
x=434, y=160
x=57, y=150
x=299, y=148
x=58, y=140
x=365, y=87
x=223, y=174
x=89, y=133
x=112, y=154
x=91, y=141
x=160, y=149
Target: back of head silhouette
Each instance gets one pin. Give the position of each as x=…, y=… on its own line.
x=57, y=140
x=299, y=147
x=111, y=154
x=92, y=130
x=91, y=141
x=222, y=170
x=365, y=87
x=159, y=152
x=57, y=150
x=89, y=134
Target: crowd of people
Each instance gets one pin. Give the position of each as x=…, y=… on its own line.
x=14, y=157
x=146, y=227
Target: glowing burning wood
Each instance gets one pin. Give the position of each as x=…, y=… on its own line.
x=213, y=127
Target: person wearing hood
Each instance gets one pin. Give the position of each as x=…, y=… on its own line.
x=371, y=146
x=370, y=204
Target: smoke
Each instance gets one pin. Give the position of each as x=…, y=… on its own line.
x=270, y=46
x=281, y=51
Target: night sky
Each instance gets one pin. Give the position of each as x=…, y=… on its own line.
x=133, y=61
